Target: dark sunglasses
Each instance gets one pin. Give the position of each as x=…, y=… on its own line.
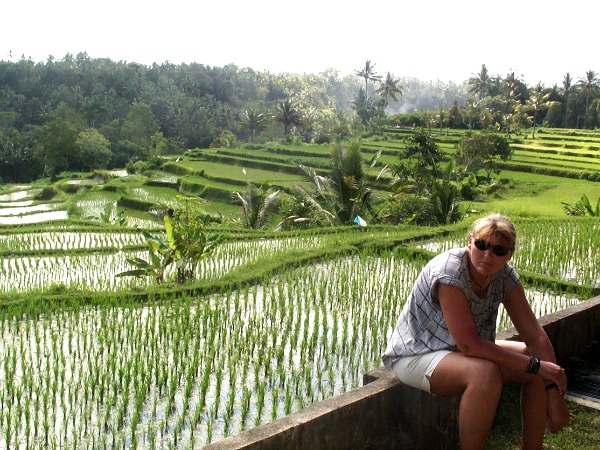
x=498, y=250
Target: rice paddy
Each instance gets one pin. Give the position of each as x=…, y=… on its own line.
x=183, y=372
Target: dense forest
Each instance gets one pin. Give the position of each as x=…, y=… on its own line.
x=79, y=114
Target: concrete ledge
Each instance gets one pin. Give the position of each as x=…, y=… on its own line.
x=385, y=414
x=335, y=423
x=573, y=331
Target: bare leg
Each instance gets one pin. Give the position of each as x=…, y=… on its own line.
x=480, y=383
x=533, y=400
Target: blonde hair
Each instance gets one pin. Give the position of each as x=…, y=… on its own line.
x=496, y=226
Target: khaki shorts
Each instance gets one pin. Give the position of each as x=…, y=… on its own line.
x=414, y=370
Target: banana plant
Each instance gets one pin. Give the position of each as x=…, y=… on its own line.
x=184, y=243
x=583, y=207
x=588, y=206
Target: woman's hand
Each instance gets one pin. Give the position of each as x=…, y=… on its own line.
x=553, y=373
x=557, y=411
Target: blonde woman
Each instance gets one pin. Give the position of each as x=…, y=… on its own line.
x=444, y=341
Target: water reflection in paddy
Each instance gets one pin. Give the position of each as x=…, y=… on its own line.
x=34, y=218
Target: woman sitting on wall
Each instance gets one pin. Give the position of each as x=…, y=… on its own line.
x=444, y=341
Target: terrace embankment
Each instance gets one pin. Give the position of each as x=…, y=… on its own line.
x=385, y=414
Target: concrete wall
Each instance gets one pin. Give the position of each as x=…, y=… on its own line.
x=385, y=414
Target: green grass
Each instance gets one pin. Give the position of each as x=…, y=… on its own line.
x=535, y=195
x=583, y=432
x=236, y=172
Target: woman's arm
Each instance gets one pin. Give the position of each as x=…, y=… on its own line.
x=538, y=344
x=458, y=318
x=534, y=337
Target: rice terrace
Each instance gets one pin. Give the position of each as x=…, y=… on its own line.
x=273, y=321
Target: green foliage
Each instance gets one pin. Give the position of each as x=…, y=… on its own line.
x=418, y=162
x=254, y=122
x=483, y=150
x=225, y=140
x=469, y=188
x=582, y=207
x=288, y=115
x=338, y=198
x=94, y=149
x=404, y=209
x=444, y=197
x=47, y=193
x=257, y=203
x=183, y=244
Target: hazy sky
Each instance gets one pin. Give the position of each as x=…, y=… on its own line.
x=427, y=39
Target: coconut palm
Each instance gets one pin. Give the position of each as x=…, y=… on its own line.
x=567, y=81
x=479, y=84
x=589, y=87
x=538, y=101
x=469, y=113
x=288, y=114
x=369, y=74
x=389, y=88
x=254, y=122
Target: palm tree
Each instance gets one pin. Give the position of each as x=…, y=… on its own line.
x=389, y=88
x=256, y=204
x=538, y=101
x=368, y=73
x=362, y=106
x=254, y=122
x=441, y=117
x=469, y=112
x=567, y=81
x=589, y=87
x=479, y=84
x=288, y=115
x=344, y=194
x=348, y=179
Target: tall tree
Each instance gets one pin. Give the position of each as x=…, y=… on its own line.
x=418, y=162
x=389, y=88
x=589, y=88
x=254, y=122
x=368, y=74
x=538, y=101
x=94, y=149
x=288, y=115
x=469, y=113
x=567, y=81
x=140, y=125
x=60, y=152
x=479, y=84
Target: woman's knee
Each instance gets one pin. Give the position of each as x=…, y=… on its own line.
x=487, y=376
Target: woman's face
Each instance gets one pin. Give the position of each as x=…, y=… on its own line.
x=488, y=254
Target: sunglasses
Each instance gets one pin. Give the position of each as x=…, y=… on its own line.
x=498, y=250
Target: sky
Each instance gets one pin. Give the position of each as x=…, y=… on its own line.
x=540, y=41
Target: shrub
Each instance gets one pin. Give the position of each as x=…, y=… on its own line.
x=408, y=208
x=469, y=188
x=47, y=193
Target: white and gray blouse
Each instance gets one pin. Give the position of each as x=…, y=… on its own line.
x=421, y=327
